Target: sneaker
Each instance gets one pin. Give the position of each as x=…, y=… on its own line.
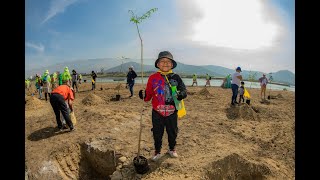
x=72, y=129
x=173, y=153
x=156, y=157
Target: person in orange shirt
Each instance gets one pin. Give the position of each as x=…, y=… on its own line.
x=57, y=100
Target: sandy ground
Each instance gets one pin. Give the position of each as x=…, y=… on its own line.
x=215, y=140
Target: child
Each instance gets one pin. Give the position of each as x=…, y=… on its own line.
x=241, y=92
x=164, y=112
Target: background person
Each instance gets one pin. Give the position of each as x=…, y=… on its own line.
x=75, y=79
x=130, y=79
x=263, y=84
x=194, y=80
x=58, y=97
x=241, y=92
x=46, y=79
x=93, y=80
x=208, y=78
x=235, y=83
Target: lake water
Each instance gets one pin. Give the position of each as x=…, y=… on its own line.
x=201, y=82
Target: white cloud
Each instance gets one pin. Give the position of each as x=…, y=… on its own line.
x=57, y=6
x=246, y=33
x=38, y=48
x=234, y=24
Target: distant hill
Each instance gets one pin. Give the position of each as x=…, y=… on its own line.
x=81, y=66
x=115, y=65
x=283, y=76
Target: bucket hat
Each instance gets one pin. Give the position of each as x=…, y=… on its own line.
x=165, y=54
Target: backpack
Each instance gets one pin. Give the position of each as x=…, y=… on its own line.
x=44, y=79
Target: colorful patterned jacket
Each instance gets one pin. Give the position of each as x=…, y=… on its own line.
x=159, y=90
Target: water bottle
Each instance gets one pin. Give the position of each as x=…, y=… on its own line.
x=174, y=96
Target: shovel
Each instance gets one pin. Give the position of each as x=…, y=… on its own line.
x=140, y=163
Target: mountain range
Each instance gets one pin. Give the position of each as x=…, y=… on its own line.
x=119, y=65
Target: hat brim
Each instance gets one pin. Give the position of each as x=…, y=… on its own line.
x=174, y=63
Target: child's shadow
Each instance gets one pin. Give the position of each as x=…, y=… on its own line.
x=45, y=133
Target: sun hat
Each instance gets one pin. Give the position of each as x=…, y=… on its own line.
x=239, y=68
x=165, y=54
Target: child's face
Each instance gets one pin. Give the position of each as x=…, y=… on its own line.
x=165, y=64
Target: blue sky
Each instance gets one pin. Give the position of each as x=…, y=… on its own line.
x=254, y=34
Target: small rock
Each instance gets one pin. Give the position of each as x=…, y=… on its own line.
x=122, y=159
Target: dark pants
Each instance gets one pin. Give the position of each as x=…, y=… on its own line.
x=234, y=88
x=93, y=86
x=158, y=124
x=45, y=95
x=131, y=84
x=75, y=84
x=58, y=104
x=241, y=97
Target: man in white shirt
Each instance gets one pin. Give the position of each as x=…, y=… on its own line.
x=263, y=83
x=235, y=83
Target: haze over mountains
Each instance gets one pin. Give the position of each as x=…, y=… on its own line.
x=118, y=65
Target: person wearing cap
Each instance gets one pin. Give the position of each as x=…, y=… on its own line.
x=66, y=76
x=235, y=83
x=58, y=99
x=130, y=79
x=54, y=80
x=46, y=79
x=194, y=80
x=164, y=111
x=263, y=84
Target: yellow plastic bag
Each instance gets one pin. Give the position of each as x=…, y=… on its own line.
x=246, y=93
x=182, y=112
x=73, y=118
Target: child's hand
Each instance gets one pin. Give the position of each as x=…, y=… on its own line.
x=141, y=94
x=179, y=97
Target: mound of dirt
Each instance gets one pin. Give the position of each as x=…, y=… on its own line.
x=91, y=100
x=204, y=92
x=236, y=167
x=279, y=96
x=118, y=87
x=33, y=102
x=244, y=111
x=247, y=113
